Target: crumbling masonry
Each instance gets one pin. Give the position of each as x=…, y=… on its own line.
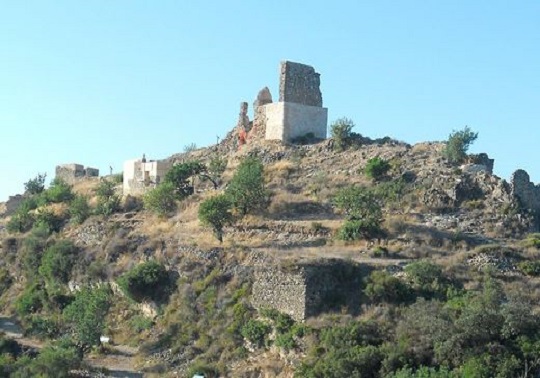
x=298, y=113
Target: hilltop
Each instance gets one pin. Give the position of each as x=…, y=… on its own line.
x=461, y=218
x=276, y=253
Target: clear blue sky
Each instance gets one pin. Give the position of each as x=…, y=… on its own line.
x=100, y=82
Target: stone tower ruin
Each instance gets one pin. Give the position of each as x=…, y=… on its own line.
x=299, y=111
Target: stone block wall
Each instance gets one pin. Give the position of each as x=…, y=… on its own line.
x=299, y=83
x=11, y=205
x=71, y=173
x=310, y=289
x=140, y=176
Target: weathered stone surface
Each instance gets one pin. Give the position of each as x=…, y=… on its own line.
x=307, y=290
x=243, y=119
x=286, y=121
x=141, y=176
x=263, y=97
x=11, y=205
x=483, y=159
x=474, y=168
x=525, y=191
x=299, y=83
x=71, y=173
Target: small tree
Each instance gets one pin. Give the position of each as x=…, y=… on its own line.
x=58, y=261
x=383, y=287
x=181, y=177
x=216, y=167
x=161, y=200
x=108, y=200
x=86, y=315
x=59, y=191
x=35, y=185
x=458, y=144
x=216, y=213
x=149, y=280
x=79, y=209
x=341, y=131
x=376, y=168
x=246, y=190
x=363, y=211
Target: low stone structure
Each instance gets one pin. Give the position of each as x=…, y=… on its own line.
x=308, y=289
x=141, y=175
x=10, y=206
x=71, y=173
x=526, y=192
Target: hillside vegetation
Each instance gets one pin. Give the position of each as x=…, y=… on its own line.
x=443, y=260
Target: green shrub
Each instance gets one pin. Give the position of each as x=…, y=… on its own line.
x=246, y=190
x=108, y=202
x=363, y=211
x=140, y=323
x=31, y=252
x=35, y=185
x=216, y=167
x=530, y=268
x=532, y=241
x=181, y=177
x=147, y=281
x=79, y=209
x=427, y=279
x=58, y=261
x=86, y=315
x=340, y=131
x=161, y=200
x=118, y=178
x=59, y=191
x=358, y=203
x=48, y=220
x=376, y=168
x=216, y=213
x=359, y=229
x=256, y=332
x=390, y=191
x=5, y=280
x=383, y=287
x=21, y=221
x=458, y=144
x=30, y=301
x=41, y=327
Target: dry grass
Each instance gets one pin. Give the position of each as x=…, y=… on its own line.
x=86, y=187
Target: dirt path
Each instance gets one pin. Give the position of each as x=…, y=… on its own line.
x=119, y=365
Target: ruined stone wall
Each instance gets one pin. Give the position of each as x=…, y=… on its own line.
x=72, y=173
x=280, y=290
x=307, y=290
x=299, y=111
x=299, y=83
x=11, y=205
x=525, y=191
x=141, y=176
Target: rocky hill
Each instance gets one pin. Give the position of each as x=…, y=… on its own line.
x=445, y=285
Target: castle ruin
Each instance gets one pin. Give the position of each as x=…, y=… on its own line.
x=298, y=113
x=72, y=173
